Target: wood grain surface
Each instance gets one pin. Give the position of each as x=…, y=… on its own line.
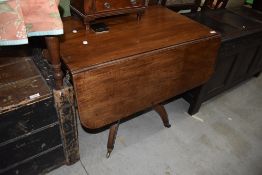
x=136, y=65
x=19, y=79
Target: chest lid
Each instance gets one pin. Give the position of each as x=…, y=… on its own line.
x=20, y=83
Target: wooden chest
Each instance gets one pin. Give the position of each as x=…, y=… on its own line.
x=240, y=54
x=136, y=65
x=92, y=9
x=30, y=140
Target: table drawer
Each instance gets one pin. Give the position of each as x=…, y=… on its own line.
x=108, y=5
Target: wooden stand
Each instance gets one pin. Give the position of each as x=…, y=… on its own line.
x=111, y=138
x=163, y=114
x=114, y=128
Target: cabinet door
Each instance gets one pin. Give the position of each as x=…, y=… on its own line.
x=242, y=65
x=219, y=79
x=248, y=57
x=256, y=65
x=257, y=4
x=237, y=60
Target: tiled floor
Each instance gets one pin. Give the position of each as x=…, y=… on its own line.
x=225, y=137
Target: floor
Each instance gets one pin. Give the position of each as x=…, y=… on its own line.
x=224, y=138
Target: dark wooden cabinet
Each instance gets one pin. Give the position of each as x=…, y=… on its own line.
x=257, y=4
x=92, y=9
x=240, y=54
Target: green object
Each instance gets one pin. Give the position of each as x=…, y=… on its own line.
x=249, y=2
x=64, y=8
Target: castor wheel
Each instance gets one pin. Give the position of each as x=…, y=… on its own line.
x=108, y=154
x=167, y=125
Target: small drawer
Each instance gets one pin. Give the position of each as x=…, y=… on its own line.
x=108, y=5
x=26, y=119
x=28, y=146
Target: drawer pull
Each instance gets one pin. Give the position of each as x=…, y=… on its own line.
x=133, y=2
x=107, y=5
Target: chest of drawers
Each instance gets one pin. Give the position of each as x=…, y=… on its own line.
x=92, y=9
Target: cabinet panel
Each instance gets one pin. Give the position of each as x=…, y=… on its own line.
x=219, y=79
x=256, y=65
x=240, y=55
x=41, y=164
x=26, y=119
x=29, y=146
x=241, y=66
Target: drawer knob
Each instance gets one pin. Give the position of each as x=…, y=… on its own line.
x=107, y=5
x=133, y=2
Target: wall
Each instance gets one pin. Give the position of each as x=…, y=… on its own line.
x=64, y=5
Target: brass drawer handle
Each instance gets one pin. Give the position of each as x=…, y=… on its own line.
x=107, y=5
x=133, y=2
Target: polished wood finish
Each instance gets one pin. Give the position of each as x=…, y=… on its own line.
x=160, y=109
x=136, y=66
x=240, y=54
x=90, y=10
x=53, y=46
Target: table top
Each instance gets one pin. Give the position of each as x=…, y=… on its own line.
x=231, y=23
x=159, y=28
